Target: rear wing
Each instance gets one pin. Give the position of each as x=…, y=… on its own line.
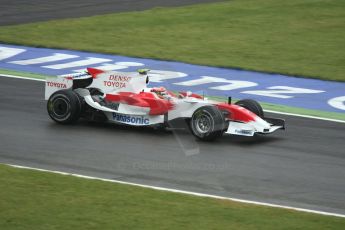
x=105, y=81
x=54, y=84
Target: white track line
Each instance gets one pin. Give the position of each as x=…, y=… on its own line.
x=183, y=192
x=20, y=77
x=269, y=111
x=304, y=116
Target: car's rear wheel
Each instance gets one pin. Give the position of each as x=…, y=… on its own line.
x=207, y=123
x=252, y=106
x=64, y=106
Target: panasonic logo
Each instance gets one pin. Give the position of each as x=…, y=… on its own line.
x=137, y=120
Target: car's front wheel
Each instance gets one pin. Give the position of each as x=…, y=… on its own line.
x=207, y=123
x=64, y=106
x=252, y=106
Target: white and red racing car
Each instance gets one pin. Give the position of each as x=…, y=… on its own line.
x=124, y=98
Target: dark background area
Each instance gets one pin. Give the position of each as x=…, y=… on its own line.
x=25, y=11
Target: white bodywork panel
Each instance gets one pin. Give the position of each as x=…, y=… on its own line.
x=186, y=107
x=250, y=128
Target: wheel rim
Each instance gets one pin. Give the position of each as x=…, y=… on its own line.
x=60, y=107
x=203, y=123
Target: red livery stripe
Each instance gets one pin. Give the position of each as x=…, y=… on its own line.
x=144, y=99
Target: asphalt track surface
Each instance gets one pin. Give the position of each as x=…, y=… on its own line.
x=25, y=11
x=302, y=167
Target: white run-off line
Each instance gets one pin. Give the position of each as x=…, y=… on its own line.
x=182, y=191
x=269, y=111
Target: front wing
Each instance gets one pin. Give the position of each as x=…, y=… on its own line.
x=260, y=126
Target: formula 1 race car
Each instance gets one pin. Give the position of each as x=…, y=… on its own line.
x=124, y=98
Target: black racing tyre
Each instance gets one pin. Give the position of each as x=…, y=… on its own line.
x=64, y=106
x=207, y=123
x=252, y=106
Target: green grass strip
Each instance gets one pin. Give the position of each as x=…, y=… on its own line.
x=39, y=200
x=295, y=37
